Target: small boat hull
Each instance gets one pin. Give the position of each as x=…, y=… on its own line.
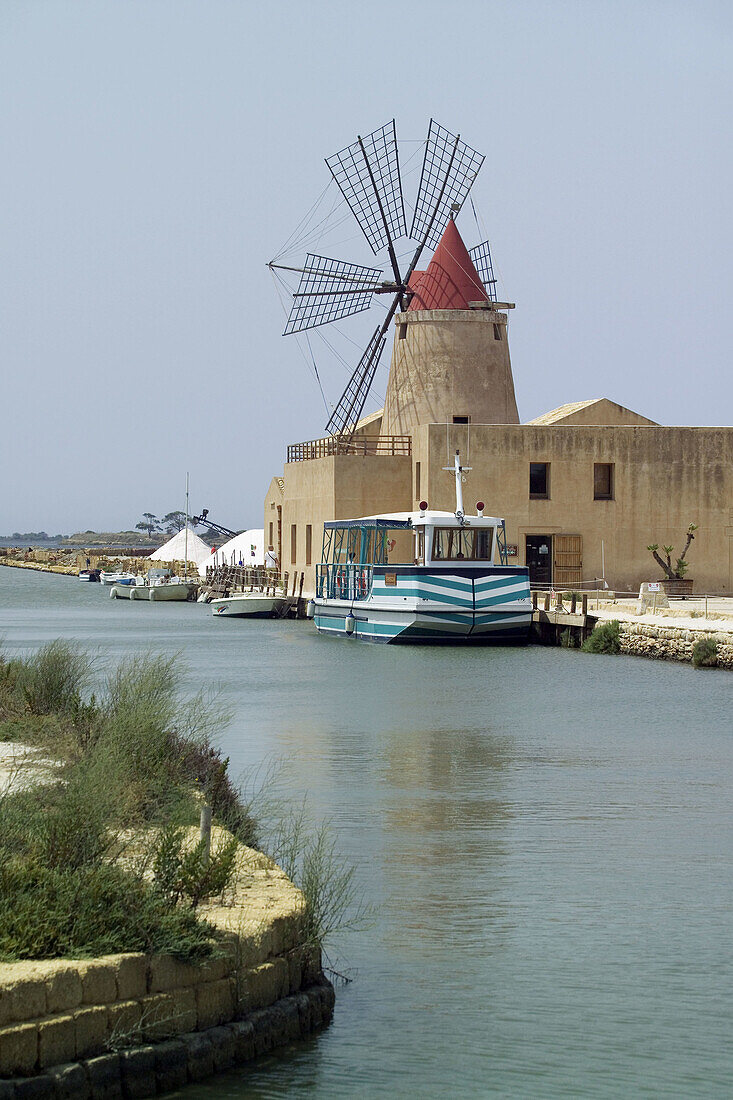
x=249, y=605
x=178, y=591
x=155, y=593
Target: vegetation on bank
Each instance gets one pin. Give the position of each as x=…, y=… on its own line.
x=705, y=653
x=606, y=638
x=93, y=859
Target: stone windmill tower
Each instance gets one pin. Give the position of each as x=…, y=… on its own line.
x=450, y=362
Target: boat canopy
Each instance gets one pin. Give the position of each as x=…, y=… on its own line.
x=373, y=523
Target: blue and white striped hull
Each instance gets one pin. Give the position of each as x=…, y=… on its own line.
x=439, y=607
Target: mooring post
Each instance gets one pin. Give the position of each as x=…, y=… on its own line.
x=547, y=601
x=584, y=605
x=534, y=600
x=573, y=602
x=205, y=833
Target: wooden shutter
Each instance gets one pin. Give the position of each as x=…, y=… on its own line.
x=568, y=560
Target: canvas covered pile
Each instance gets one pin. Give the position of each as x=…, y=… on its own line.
x=247, y=548
x=181, y=548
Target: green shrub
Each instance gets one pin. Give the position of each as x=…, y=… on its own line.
x=184, y=873
x=95, y=910
x=568, y=638
x=51, y=681
x=705, y=653
x=72, y=869
x=604, y=639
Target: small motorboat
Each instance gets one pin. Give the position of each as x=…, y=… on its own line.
x=89, y=575
x=159, y=585
x=116, y=578
x=250, y=605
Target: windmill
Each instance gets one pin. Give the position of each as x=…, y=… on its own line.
x=367, y=173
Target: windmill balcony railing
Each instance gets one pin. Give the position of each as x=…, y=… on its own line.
x=379, y=445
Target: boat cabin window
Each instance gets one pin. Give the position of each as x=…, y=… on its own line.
x=420, y=547
x=462, y=544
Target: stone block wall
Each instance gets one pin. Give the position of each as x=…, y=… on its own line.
x=672, y=643
x=72, y=1012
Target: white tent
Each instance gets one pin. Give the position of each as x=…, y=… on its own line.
x=245, y=549
x=176, y=549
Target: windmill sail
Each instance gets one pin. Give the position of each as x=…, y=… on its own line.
x=329, y=290
x=449, y=169
x=351, y=404
x=481, y=256
x=368, y=175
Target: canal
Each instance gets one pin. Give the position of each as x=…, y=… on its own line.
x=546, y=838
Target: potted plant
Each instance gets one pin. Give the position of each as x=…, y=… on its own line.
x=675, y=582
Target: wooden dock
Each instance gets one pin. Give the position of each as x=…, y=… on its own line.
x=553, y=615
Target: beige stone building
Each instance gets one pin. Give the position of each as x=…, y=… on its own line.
x=583, y=489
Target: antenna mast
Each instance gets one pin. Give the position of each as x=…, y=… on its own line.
x=459, y=471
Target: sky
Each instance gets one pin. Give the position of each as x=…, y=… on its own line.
x=158, y=153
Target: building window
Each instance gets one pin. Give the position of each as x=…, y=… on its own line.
x=539, y=480
x=402, y=332
x=417, y=481
x=603, y=481
x=269, y=541
x=293, y=543
x=497, y=332
x=308, y=543
x=461, y=419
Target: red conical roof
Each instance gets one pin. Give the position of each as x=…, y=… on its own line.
x=451, y=280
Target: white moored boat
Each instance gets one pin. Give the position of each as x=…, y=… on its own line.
x=116, y=578
x=422, y=576
x=158, y=586
x=255, y=605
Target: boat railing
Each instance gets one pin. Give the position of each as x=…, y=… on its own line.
x=350, y=581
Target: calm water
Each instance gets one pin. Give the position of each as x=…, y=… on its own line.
x=547, y=837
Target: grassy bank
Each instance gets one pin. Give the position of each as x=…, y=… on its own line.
x=92, y=858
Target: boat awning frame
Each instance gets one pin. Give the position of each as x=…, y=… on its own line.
x=372, y=524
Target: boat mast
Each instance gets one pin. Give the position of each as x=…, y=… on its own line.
x=185, y=537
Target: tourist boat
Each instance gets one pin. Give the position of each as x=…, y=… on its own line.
x=159, y=585
x=252, y=605
x=423, y=576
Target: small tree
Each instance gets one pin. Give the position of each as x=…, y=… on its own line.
x=680, y=566
x=174, y=522
x=148, y=523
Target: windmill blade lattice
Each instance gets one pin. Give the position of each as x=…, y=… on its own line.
x=329, y=290
x=347, y=413
x=449, y=169
x=368, y=175
x=481, y=256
